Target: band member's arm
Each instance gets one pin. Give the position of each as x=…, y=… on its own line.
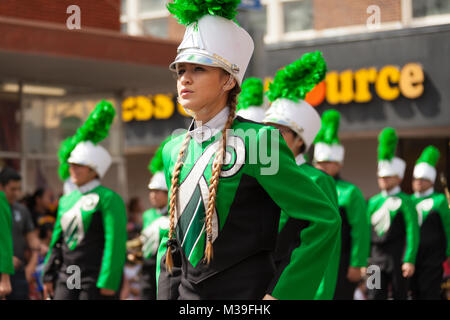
x=300, y=198
x=360, y=235
x=412, y=231
x=6, y=245
x=114, y=253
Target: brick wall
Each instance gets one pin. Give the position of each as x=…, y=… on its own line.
x=340, y=13
x=104, y=14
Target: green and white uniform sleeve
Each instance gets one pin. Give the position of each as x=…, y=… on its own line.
x=412, y=230
x=356, y=207
x=302, y=276
x=328, y=285
x=6, y=244
x=114, y=254
x=153, y=228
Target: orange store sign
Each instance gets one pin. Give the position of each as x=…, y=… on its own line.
x=337, y=88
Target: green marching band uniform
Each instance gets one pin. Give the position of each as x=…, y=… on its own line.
x=355, y=235
x=289, y=109
x=433, y=212
x=394, y=225
x=90, y=229
x=155, y=226
x=6, y=244
x=251, y=191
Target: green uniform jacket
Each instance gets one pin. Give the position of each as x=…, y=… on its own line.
x=289, y=236
x=155, y=223
x=394, y=221
x=328, y=186
x=355, y=223
x=434, y=221
x=6, y=245
x=90, y=232
x=259, y=178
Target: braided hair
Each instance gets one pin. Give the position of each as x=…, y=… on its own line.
x=213, y=183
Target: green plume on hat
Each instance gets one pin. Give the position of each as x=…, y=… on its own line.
x=429, y=155
x=328, y=132
x=252, y=94
x=295, y=80
x=387, y=144
x=190, y=11
x=156, y=163
x=95, y=129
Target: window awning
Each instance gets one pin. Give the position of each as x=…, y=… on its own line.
x=50, y=53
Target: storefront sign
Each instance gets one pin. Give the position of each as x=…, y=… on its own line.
x=338, y=88
x=144, y=108
x=354, y=86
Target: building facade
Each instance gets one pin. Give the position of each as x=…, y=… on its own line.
x=387, y=66
x=58, y=59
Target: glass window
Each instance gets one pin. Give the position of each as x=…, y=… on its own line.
x=152, y=5
x=298, y=15
x=123, y=7
x=423, y=8
x=156, y=27
x=258, y=19
x=124, y=27
x=42, y=174
x=48, y=121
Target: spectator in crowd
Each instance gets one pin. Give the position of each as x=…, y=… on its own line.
x=134, y=224
x=45, y=236
x=24, y=235
x=40, y=204
x=131, y=289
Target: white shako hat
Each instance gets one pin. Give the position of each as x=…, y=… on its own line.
x=287, y=93
x=425, y=165
x=156, y=168
x=212, y=40
x=94, y=156
x=327, y=146
x=82, y=148
x=158, y=182
x=300, y=117
x=388, y=164
x=251, y=100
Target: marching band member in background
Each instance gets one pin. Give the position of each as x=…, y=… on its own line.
x=434, y=221
x=299, y=124
x=395, y=231
x=355, y=233
x=90, y=229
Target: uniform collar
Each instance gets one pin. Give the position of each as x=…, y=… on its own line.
x=89, y=186
x=391, y=192
x=209, y=129
x=300, y=159
x=424, y=194
x=162, y=211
